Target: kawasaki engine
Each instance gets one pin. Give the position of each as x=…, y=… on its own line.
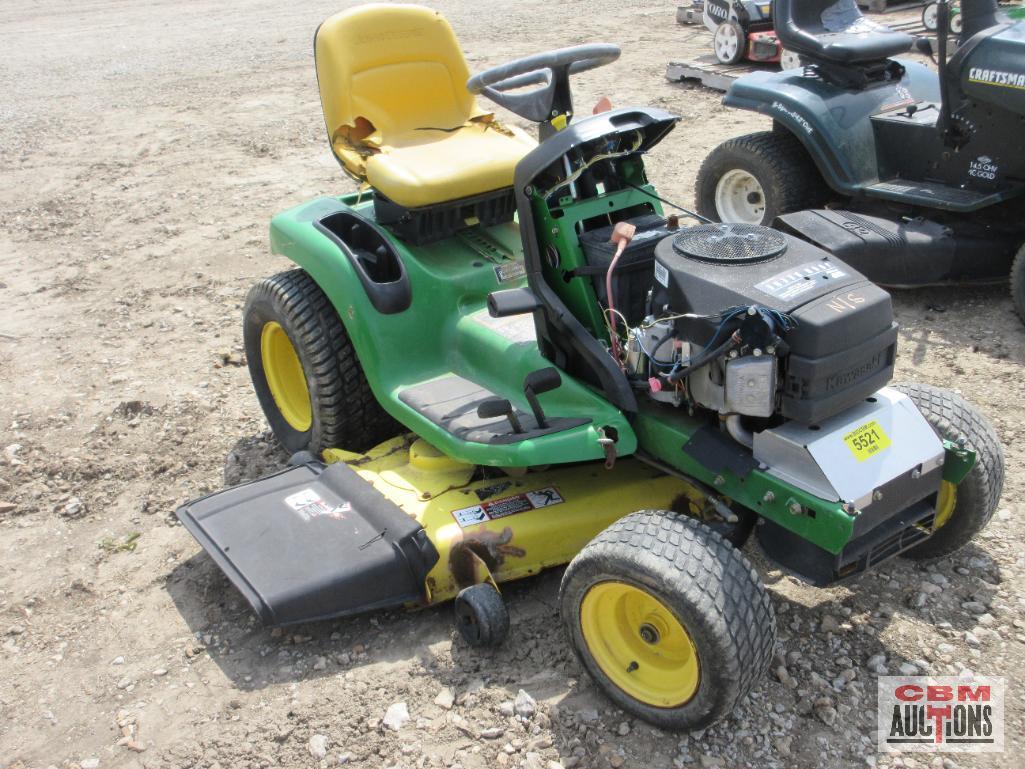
x=756, y=325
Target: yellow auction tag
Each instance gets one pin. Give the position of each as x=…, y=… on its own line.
x=867, y=441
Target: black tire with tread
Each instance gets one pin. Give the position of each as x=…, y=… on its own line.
x=1018, y=282
x=707, y=583
x=481, y=615
x=778, y=160
x=345, y=413
x=978, y=495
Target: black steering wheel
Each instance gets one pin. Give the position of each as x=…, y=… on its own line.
x=551, y=70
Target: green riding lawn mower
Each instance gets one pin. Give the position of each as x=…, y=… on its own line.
x=500, y=356
x=931, y=15
x=913, y=177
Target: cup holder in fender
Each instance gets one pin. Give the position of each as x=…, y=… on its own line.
x=375, y=260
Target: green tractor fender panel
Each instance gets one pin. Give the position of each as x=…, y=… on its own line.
x=832, y=123
x=417, y=317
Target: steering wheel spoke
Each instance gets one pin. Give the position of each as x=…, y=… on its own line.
x=549, y=71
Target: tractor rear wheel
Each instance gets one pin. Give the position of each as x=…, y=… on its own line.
x=962, y=511
x=669, y=619
x=305, y=371
x=1018, y=282
x=755, y=178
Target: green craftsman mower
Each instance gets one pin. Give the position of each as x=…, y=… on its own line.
x=499, y=356
x=912, y=176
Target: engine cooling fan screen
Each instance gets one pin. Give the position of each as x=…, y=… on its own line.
x=730, y=243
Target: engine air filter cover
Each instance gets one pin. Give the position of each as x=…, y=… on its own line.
x=730, y=243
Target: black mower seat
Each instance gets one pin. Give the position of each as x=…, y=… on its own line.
x=835, y=31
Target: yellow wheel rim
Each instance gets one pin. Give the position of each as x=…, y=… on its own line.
x=285, y=377
x=946, y=501
x=639, y=644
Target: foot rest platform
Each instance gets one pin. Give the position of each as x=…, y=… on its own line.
x=451, y=403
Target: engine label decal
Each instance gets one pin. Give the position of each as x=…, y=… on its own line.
x=662, y=274
x=500, y=508
x=867, y=441
x=983, y=168
x=997, y=77
x=309, y=505
x=793, y=283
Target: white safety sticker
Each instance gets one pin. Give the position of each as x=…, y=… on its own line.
x=792, y=283
x=309, y=505
x=662, y=274
x=494, y=509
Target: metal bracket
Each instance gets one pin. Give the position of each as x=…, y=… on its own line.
x=609, y=447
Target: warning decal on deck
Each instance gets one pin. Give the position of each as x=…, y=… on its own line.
x=500, y=508
x=309, y=505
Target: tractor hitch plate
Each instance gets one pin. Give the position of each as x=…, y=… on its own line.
x=312, y=542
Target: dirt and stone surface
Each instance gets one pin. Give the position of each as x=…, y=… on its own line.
x=143, y=149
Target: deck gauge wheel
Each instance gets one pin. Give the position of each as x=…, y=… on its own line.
x=481, y=616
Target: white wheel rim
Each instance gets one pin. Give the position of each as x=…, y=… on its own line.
x=739, y=198
x=789, y=60
x=726, y=43
x=956, y=25
x=929, y=17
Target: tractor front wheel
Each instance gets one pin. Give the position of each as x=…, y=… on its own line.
x=305, y=371
x=669, y=619
x=963, y=510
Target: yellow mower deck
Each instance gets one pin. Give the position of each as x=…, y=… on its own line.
x=407, y=525
x=507, y=528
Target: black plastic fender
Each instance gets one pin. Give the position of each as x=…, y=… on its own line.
x=832, y=123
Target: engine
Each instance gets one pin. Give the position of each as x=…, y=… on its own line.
x=751, y=323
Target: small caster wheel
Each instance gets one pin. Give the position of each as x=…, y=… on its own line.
x=300, y=458
x=481, y=615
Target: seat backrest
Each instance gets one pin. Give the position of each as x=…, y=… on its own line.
x=388, y=70
x=836, y=31
x=796, y=23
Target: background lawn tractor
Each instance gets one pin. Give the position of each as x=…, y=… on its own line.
x=931, y=17
x=743, y=29
x=925, y=172
x=472, y=398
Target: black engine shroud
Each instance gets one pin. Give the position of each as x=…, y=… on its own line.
x=843, y=346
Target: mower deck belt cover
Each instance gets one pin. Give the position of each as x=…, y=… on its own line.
x=312, y=543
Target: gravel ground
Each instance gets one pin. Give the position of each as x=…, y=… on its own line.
x=143, y=148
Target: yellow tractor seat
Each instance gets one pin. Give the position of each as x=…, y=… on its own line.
x=393, y=86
